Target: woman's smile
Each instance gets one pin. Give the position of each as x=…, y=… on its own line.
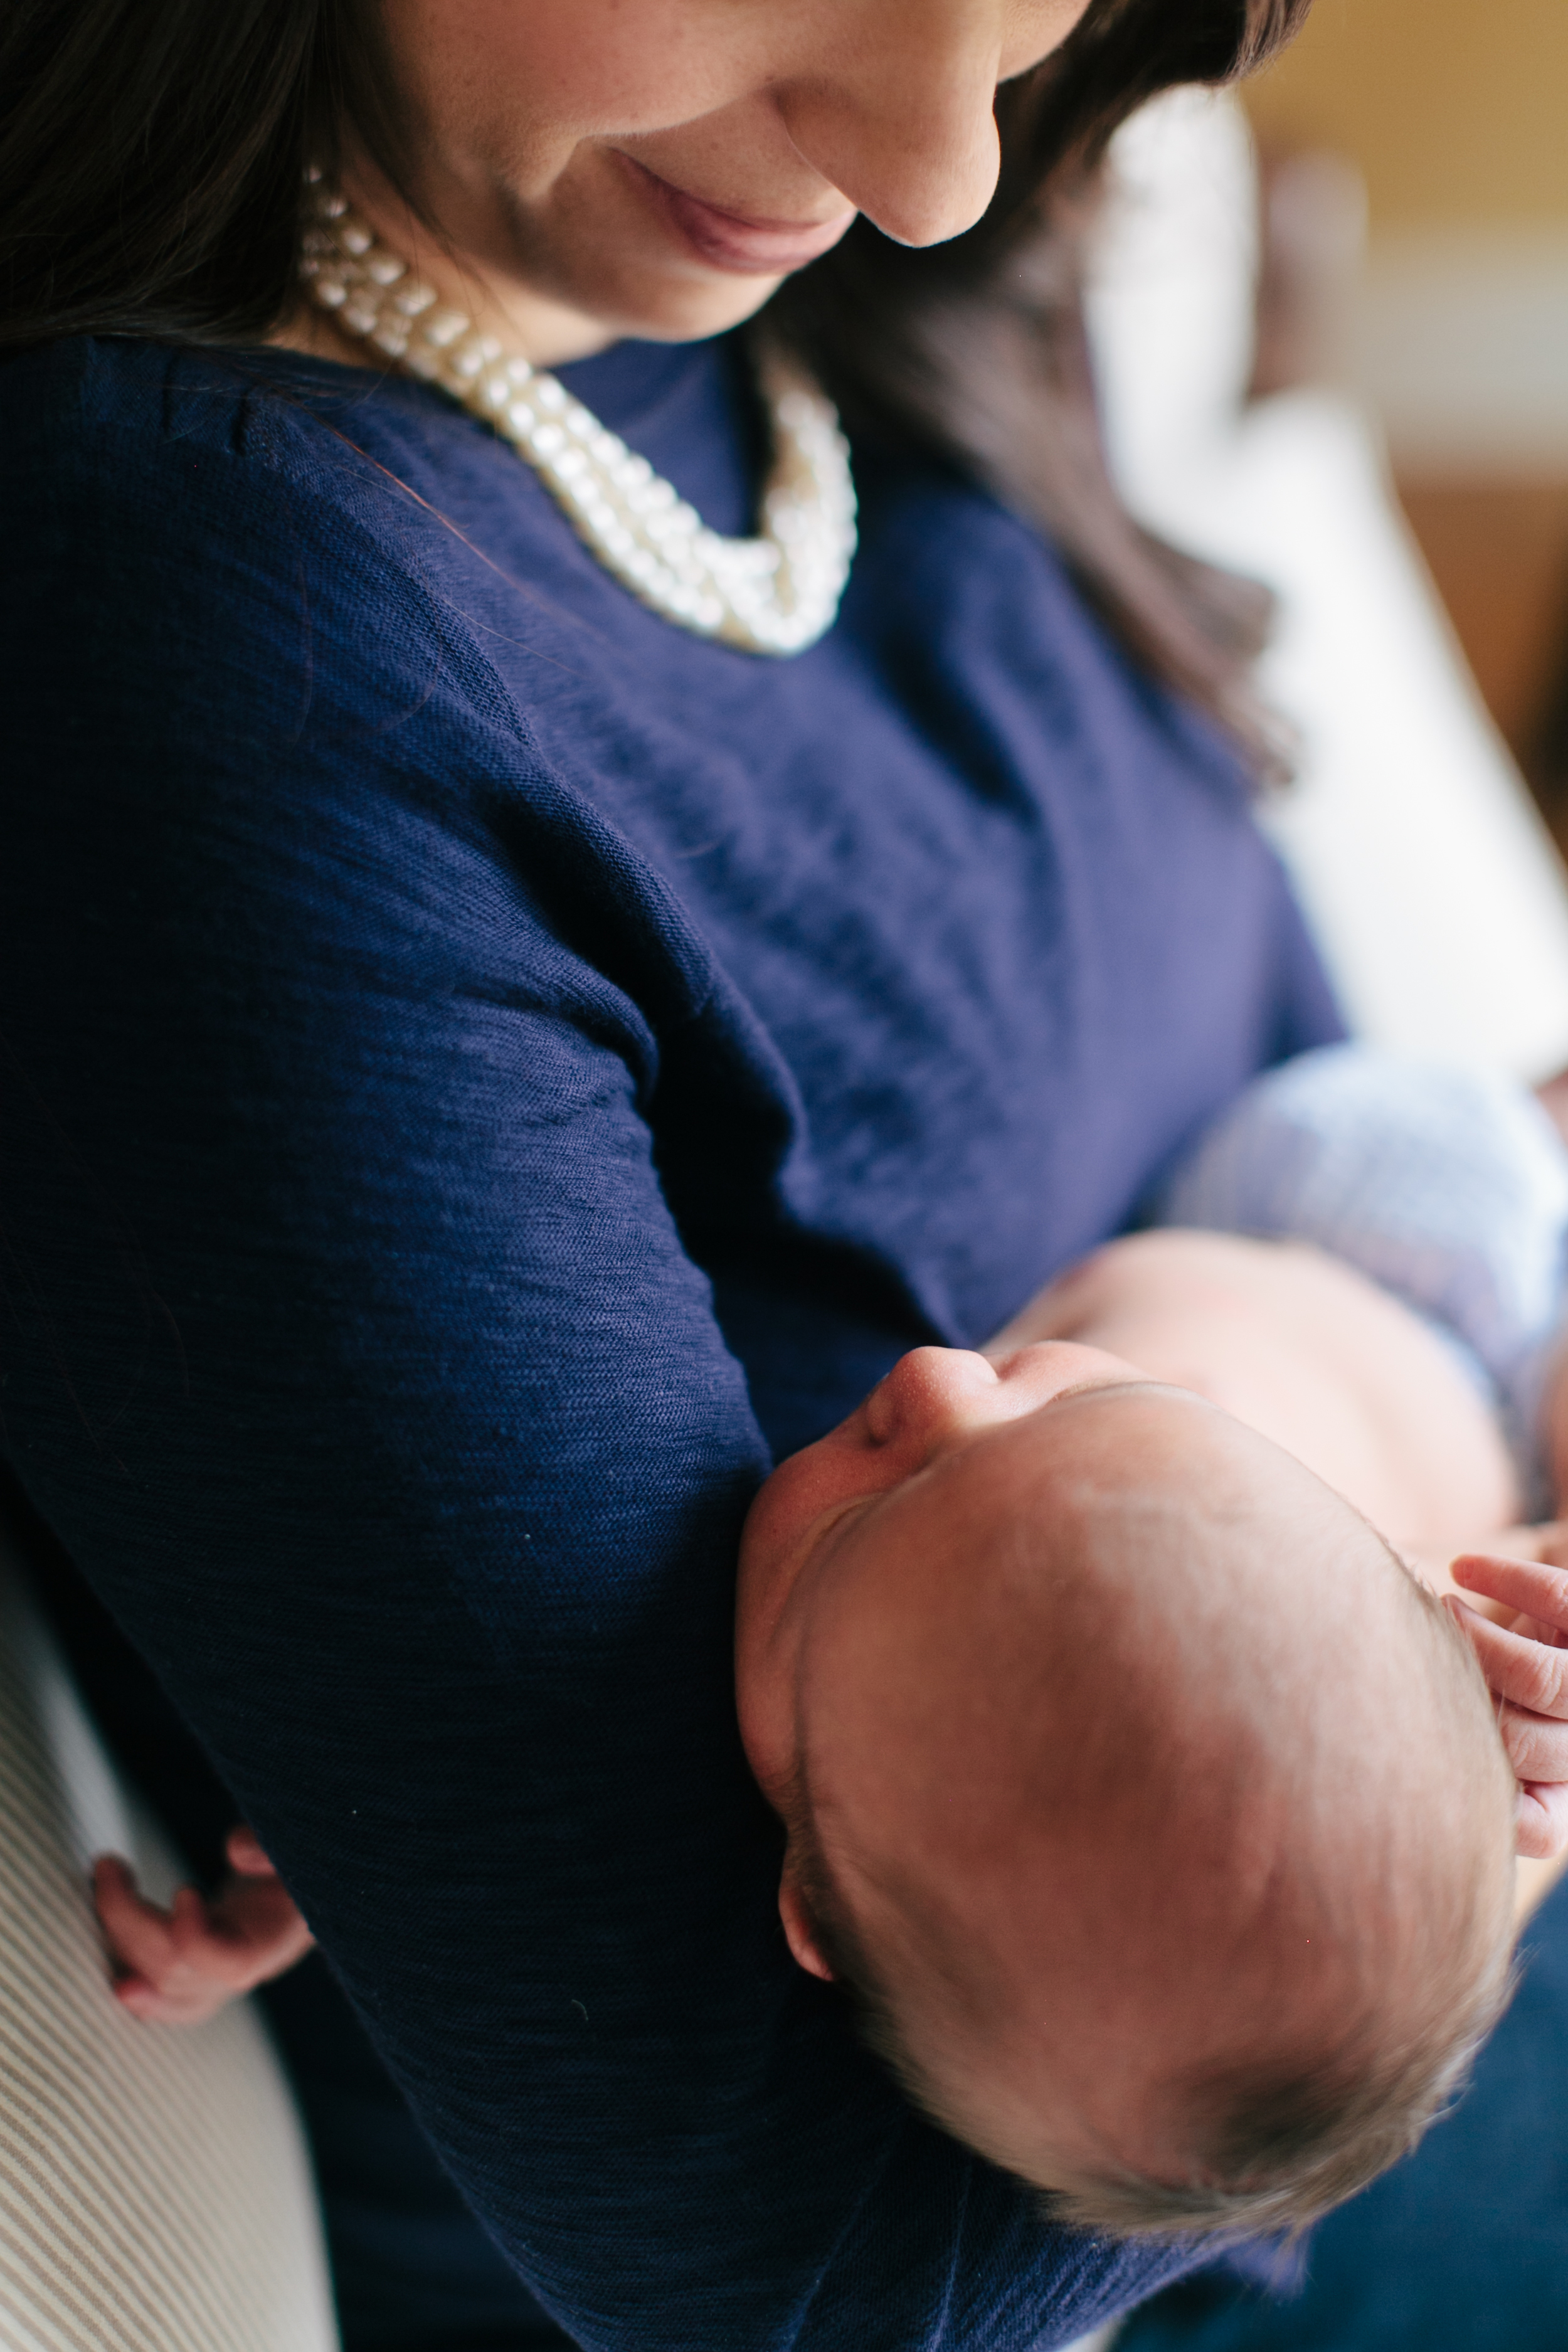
x=731, y=241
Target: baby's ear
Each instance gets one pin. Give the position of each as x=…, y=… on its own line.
x=800, y=1932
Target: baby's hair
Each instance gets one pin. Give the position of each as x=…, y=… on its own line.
x=1283, y=2150
x=1275, y=2148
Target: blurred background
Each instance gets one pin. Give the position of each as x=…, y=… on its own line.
x=1436, y=131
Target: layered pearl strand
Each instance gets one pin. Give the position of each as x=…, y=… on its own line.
x=777, y=594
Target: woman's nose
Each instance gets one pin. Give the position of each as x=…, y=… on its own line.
x=902, y=118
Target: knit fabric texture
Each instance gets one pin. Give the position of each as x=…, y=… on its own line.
x=485, y=1070
x=1446, y=1185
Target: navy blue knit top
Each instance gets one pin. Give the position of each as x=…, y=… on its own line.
x=485, y=1068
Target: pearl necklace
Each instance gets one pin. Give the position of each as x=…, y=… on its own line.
x=773, y=594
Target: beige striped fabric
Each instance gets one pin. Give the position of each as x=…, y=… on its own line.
x=154, y=2191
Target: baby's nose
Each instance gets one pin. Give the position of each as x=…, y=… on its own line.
x=928, y=1392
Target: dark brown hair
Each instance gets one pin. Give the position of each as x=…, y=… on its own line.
x=152, y=159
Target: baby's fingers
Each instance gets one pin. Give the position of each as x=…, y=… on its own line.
x=1537, y=1749
x=1533, y=1588
x=1542, y=1822
x=1532, y=1675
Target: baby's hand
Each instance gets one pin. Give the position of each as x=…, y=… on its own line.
x=1523, y=1653
x=179, y=1966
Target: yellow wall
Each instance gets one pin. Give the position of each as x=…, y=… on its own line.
x=1456, y=110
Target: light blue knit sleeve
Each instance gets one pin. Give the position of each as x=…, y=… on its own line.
x=1447, y=1186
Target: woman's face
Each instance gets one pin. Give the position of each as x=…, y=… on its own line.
x=654, y=167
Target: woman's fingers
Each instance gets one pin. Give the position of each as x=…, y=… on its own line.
x=243, y=1852
x=259, y=1930
x=245, y=1928
x=140, y=1935
x=180, y=1966
x=150, y=1949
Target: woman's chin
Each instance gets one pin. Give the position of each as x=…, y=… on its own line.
x=684, y=310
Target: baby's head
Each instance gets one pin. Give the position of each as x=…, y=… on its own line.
x=1153, y=1812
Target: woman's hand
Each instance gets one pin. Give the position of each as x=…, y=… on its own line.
x=180, y=1966
x=1521, y=1641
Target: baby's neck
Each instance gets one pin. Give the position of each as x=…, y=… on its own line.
x=1309, y=1353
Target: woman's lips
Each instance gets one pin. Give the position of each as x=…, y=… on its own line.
x=750, y=248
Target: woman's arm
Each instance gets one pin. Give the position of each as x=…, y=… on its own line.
x=355, y=1352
